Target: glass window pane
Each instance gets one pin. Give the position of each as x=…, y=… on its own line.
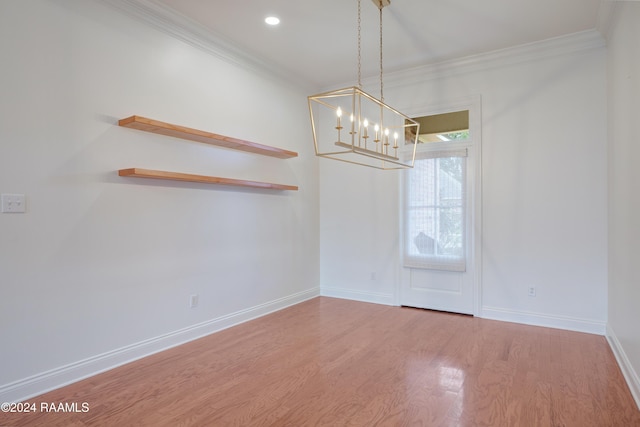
x=434, y=229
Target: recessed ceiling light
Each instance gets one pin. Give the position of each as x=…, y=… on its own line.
x=272, y=20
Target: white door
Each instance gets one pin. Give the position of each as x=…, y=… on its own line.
x=440, y=208
x=437, y=290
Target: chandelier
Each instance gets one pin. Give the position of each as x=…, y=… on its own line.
x=353, y=126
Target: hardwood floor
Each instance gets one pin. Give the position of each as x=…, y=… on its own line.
x=336, y=362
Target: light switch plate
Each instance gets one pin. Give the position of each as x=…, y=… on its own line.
x=13, y=203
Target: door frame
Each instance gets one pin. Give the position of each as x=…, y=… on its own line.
x=474, y=105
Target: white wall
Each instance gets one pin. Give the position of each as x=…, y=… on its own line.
x=543, y=184
x=624, y=182
x=359, y=238
x=101, y=264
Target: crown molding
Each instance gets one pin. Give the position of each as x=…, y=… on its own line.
x=185, y=29
x=180, y=27
x=553, y=47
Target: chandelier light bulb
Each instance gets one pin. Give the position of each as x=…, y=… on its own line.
x=338, y=124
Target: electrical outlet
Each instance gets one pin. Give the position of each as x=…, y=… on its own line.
x=193, y=301
x=532, y=291
x=13, y=203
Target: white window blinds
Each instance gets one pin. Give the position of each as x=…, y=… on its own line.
x=434, y=223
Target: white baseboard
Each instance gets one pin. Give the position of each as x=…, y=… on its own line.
x=630, y=375
x=55, y=378
x=357, y=295
x=549, y=321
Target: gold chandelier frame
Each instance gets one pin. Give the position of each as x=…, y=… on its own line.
x=376, y=134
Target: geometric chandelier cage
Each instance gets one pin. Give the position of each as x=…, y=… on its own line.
x=352, y=126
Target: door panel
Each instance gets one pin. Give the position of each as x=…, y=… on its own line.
x=445, y=281
x=438, y=290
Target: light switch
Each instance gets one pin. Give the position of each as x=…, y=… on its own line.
x=13, y=203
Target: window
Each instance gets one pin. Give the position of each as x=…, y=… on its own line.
x=443, y=127
x=434, y=223
x=435, y=194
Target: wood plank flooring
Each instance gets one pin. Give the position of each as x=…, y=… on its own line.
x=332, y=362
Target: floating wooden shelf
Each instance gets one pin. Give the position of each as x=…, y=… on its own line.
x=176, y=176
x=155, y=126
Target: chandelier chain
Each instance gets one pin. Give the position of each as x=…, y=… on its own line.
x=359, y=50
x=381, y=84
x=365, y=130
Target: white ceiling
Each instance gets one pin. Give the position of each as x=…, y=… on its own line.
x=317, y=40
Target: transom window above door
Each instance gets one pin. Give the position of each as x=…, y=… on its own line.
x=446, y=127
